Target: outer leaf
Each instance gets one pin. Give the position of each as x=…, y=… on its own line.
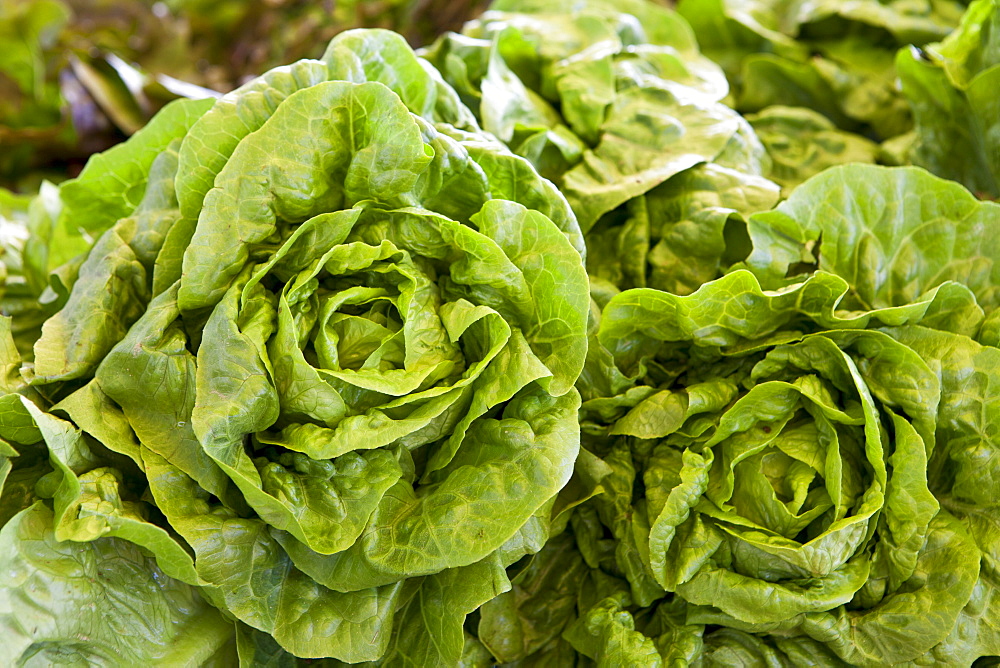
x=213, y=138
x=891, y=250
x=385, y=57
x=802, y=143
x=253, y=577
x=642, y=146
x=113, y=282
x=516, y=624
x=429, y=627
x=144, y=615
x=151, y=376
x=950, y=88
x=112, y=184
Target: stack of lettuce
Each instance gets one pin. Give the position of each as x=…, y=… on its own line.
x=317, y=370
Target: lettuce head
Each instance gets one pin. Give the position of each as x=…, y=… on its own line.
x=313, y=383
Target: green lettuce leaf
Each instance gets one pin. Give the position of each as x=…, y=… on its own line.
x=892, y=251
x=950, y=85
x=144, y=614
x=803, y=143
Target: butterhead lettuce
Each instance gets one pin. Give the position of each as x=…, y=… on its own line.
x=797, y=460
x=614, y=102
x=316, y=386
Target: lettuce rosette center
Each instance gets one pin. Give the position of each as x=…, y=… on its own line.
x=370, y=346
x=798, y=470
